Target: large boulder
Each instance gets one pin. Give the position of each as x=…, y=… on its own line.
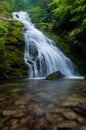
x=55, y=75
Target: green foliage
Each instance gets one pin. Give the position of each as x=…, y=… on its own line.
x=6, y=7
x=35, y=13
x=11, y=58
x=2, y=44
x=69, y=21
x=2, y=30
x=67, y=18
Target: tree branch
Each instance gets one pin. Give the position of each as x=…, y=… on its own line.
x=4, y=18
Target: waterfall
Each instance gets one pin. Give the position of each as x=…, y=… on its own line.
x=41, y=54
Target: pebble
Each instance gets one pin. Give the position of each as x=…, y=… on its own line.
x=13, y=113
x=80, y=120
x=38, y=112
x=83, y=128
x=70, y=115
x=69, y=104
x=66, y=125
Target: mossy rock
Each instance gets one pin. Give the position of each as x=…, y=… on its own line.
x=55, y=75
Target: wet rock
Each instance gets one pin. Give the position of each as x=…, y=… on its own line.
x=2, y=99
x=19, y=115
x=72, y=101
x=38, y=112
x=44, y=95
x=80, y=109
x=5, y=128
x=49, y=117
x=24, y=121
x=55, y=75
x=4, y=120
x=83, y=128
x=80, y=120
x=24, y=128
x=50, y=108
x=1, y=124
x=61, y=110
x=42, y=124
x=70, y=115
x=82, y=106
x=14, y=121
x=69, y=104
x=75, y=99
x=54, y=118
x=24, y=29
x=22, y=106
x=13, y=113
x=21, y=101
x=14, y=124
x=8, y=113
x=68, y=126
x=16, y=90
x=33, y=53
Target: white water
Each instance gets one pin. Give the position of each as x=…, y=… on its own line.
x=41, y=54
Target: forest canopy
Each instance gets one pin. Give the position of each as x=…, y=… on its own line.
x=64, y=18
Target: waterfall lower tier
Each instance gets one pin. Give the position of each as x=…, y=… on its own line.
x=41, y=55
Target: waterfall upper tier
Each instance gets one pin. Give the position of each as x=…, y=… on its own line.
x=41, y=54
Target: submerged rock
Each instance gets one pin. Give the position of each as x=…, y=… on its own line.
x=68, y=125
x=55, y=75
x=70, y=115
x=38, y=112
x=80, y=109
x=13, y=113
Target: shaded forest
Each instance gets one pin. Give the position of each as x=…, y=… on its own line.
x=63, y=21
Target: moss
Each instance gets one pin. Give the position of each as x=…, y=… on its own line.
x=11, y=51
x=55, y=75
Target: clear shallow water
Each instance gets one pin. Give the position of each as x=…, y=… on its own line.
x=53, y=92
x=35, y=104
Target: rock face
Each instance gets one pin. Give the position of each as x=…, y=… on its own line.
x=55, y=75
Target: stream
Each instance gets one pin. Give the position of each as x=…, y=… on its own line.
x=43, y=104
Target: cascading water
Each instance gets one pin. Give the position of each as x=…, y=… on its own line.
x=41, y=54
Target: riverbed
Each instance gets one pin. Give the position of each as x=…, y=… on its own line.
x=43, y=105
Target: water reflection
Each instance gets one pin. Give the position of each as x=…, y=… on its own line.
x=45, y=92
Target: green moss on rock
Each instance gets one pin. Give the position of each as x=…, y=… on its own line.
x=11, y=50
x=55, y=75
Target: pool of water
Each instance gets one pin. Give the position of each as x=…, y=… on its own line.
x=39, y=96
